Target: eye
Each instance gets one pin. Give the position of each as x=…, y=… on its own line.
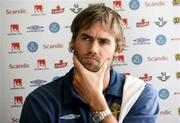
x=104, y=42
x=86, y=38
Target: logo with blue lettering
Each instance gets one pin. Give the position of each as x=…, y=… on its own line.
x=137, y=59
x=141, y=41
x=37, y=82
x=54, y=27
x=161, y=39
x=163, y=93
x=134, y=4
x=32, y=46
x=35, y=28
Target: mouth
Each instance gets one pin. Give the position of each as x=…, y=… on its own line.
x=93, y=59
x=91, y=64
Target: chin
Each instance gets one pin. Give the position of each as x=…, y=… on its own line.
x=92, y=68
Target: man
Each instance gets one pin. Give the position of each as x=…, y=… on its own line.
x=92, y=91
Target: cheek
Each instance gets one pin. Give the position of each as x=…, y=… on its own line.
x=109, y=51
x=80, y=49
x=77, y=46
x=108, y=55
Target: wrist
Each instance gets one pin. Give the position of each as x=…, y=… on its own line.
x=101, y=115
x=98, y=104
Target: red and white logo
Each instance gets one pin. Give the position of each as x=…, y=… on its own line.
x=17, y=83
x=117, y=4
x=41, y=63
x=142, y=23
x=120, y=58
x=119, y=61
x=38, y=9
x=14, y=28
x=18, y=100
x=125, y=21
x=60, y=64
x=146, y=77
x=57, y=10
x=15, y=46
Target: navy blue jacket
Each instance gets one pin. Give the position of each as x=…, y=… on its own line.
x=58, y=102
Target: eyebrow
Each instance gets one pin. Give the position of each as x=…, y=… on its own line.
x=89, y=36
x=86, y=35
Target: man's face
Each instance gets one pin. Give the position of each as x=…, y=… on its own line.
x=94, y=45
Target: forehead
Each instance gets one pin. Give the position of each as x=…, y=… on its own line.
x=99, y=29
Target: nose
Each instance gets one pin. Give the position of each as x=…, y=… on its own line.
x=94, y=47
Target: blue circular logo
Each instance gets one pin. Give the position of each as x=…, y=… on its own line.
x=161, y=39
x=163, y=93
x=54, y=27
x=32, y=46
x=137, y=59
x=134, y=4
x=55, y=78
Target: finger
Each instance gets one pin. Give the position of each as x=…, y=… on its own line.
x=76, y=86
x=104, y=67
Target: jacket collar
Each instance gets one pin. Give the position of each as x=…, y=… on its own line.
x=115, y=87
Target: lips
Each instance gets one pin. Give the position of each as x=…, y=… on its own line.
x=91, y=58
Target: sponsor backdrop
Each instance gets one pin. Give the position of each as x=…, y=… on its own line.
x=34, y=48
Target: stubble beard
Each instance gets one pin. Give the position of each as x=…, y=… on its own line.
x=89, y=66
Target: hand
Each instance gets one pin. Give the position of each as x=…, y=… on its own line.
x=89, y=85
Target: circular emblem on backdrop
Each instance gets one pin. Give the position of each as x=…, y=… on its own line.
x=32, y=46
x=54, y=27
x=137, y=59
x=163, y=93
x=161, y=39
x=134, y=4
x=55, y=78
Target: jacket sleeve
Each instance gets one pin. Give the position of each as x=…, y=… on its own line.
x=145, y=109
